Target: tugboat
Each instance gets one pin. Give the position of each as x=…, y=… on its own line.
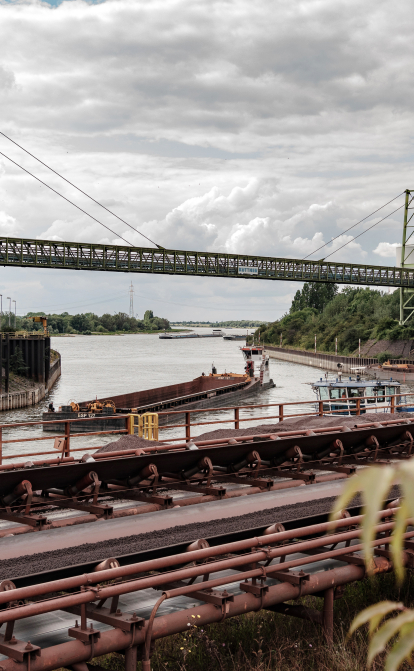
x=341, y=394
x=255, y=354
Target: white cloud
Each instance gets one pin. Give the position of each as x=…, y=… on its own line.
x=8, y=225
x=386, y=248
x=207, y=126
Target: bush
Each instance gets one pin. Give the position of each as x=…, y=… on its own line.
x=385, y=356
x=17, y=364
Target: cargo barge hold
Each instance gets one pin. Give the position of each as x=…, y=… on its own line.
x=205, y=391
x=216, y=333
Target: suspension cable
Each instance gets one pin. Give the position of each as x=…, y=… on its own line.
x=67, y=199
x=363, y=232
x=78, y=189
x=353, y=226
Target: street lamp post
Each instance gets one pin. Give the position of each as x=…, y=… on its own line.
x=9, y=299
x=15, y=316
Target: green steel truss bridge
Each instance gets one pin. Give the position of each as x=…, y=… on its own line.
x=26, y=253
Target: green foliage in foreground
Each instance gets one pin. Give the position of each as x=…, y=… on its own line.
x=391, y=635
x=265, y=641
x=88, y=323
x=350, y=315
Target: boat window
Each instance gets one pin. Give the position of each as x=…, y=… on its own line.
x=338, y=393
x=355, y=393
x=254, y=351
x=380, y=394
x=389, y=390
x=324, y=393
x=369, y=391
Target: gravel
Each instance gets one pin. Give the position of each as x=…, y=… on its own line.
x=128, y=443
x=91, y=552
x=292, y=423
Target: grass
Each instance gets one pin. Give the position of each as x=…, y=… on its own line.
x=266, y=641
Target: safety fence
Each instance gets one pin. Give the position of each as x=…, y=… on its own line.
x=148, y=425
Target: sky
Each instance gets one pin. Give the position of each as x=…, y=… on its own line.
x=223, y=125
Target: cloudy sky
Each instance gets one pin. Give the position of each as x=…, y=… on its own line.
x=266, y=127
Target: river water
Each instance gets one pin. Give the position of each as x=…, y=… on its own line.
x=105, y=366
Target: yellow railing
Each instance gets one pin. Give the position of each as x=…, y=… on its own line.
x=146, y=425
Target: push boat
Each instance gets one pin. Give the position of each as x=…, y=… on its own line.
x=205, y=391
x=341, y=395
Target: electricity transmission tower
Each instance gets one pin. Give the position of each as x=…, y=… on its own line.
x=131, y=300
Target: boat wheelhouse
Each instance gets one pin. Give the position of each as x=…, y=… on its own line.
x=341, y=395
x=255, y=354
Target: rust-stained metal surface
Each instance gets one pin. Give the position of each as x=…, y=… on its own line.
x=136, y=608
x=157, y=522
x=172, y=393
x=156, y=480
x=228, y=457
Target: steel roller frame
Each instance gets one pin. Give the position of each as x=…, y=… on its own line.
x=234, y=578
x=289, y=457
x=32, y=253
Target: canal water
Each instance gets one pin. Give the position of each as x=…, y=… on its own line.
x=105, y=366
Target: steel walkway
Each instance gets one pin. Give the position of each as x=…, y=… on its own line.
x=29, y=253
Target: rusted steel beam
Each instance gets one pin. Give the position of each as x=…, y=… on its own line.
x=116, y=640
x=200, y=555
x=192, y=572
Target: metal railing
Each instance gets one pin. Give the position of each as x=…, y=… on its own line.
x=317, y=408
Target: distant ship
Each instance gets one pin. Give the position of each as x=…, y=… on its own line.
x=235, y=336
x=216, y=333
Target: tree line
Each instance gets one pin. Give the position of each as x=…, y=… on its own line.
x=242, y=323
x=350, y=315
x=87, y=323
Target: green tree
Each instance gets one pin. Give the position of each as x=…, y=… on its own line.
x=80, y=323
x=314, y=295
x=17, y=364
x=148, y=315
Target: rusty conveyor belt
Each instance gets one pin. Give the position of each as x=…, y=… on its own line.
x=228, y=457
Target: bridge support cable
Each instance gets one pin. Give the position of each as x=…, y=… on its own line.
x=30, y=253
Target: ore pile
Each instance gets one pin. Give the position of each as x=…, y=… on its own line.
x=289, y=424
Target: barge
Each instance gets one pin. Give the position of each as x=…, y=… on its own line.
x=235, y=336
x=216, y=333
x=205, y=391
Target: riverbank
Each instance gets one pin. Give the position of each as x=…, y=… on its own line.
x=330, y=362
x=24, y=392
x=118, y=333
x=335, y=363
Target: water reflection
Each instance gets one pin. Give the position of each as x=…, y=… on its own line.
x=109, y=365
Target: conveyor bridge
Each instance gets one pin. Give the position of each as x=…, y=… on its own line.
x=30, y=253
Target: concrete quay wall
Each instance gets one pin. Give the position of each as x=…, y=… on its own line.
x=24, y=398
x=319, y=360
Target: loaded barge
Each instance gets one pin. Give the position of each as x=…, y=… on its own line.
x=205, y=391
x=216, y=333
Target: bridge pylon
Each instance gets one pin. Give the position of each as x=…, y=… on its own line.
x=407, y=257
